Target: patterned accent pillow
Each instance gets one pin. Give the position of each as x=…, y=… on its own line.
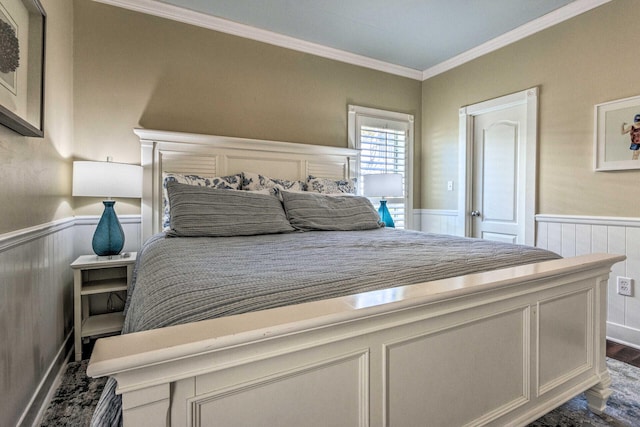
x=331, y=186
x=231, y=182
x=199, y=211
x=254, y=181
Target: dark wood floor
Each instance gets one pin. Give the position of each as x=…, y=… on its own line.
x=623, y=353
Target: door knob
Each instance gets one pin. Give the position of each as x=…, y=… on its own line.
x=475, y=213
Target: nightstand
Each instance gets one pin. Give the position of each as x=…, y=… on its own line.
x=98, y=275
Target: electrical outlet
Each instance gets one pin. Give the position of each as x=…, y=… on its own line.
x=625, y=286
x=449, y=185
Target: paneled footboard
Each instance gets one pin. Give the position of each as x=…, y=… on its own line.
x=495, y=348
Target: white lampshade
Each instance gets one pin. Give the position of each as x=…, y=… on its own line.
x=107, y=179
x=383, y=185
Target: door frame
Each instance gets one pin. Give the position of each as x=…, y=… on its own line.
x=528, y=98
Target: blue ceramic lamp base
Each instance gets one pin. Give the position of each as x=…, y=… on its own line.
x=385, y=215
x=109, y=236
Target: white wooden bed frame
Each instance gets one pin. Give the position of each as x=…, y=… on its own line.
x=496, y=348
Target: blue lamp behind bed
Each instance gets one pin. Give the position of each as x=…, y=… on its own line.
x=107, y=179
x=383, y=185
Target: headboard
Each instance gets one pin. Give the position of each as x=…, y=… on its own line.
x=209, y=155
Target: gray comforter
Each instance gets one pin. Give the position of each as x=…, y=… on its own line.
x=180, y=280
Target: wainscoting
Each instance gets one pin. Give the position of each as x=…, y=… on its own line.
x=440, y=221
x=36, y=308
x=578, y=235
x=35, y=315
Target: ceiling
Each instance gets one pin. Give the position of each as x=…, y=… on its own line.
x=414, y=38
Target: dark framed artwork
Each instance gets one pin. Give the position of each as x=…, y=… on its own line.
x=617, y=135
x=22, y=53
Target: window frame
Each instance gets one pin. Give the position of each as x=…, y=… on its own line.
x=357, y=117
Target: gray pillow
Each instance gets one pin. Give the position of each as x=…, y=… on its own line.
x=314, y=211
x=204, y=211
x=231, y=182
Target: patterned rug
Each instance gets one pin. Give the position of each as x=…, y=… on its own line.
x=623, y=406
x=75, y=399
x=77, y=396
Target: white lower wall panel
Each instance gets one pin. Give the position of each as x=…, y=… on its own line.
x=35, y=314
x=440, y=221
x=579, y=235
x=36, y=308
x=632, y=305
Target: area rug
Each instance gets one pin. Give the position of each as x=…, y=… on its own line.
x=623, y=406
x=75, y=400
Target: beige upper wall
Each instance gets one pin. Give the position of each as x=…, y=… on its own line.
x=134, y=70
x=577, y=64
x=36, y=172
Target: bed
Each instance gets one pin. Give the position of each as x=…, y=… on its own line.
x=474, y=344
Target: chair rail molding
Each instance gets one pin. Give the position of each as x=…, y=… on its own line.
x=25, y=235
x=593, y=220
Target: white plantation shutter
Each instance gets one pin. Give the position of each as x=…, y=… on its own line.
x=384, y=140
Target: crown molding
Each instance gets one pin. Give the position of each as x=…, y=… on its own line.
x=163, y=10
x=550, y=19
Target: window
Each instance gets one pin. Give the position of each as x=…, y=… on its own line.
x=385, y=141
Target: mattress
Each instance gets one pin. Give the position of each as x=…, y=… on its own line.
x=187, y=279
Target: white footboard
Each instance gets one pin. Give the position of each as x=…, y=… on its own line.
x=501, y=348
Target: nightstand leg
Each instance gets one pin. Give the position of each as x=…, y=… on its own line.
x=77, y=314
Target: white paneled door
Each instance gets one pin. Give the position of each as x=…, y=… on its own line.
x=497, y=194
x=496, y=213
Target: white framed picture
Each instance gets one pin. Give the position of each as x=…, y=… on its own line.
x=617, y=135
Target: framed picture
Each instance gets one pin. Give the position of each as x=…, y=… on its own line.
x=22, y=53
x=617, y=135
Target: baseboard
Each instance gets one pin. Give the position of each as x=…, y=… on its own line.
x=623, y=335
x=39, y=402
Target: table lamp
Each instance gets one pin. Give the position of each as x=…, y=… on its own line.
x=383, y=185
x=107, y=179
